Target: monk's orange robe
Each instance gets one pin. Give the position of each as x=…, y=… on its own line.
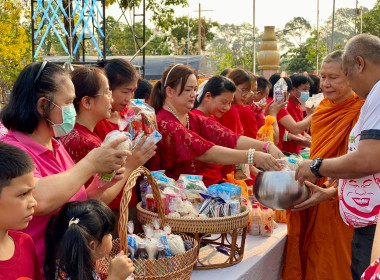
x=319, y=242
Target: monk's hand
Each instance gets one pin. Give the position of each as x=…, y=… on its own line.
x=317, y=195
x=274, y=151
x=303, y=173
x=266, y=161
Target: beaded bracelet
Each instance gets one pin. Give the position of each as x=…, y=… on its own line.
x=251, y=153
x=266, y=146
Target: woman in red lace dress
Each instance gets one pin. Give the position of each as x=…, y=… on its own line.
x=190, y=140
x=93, y=104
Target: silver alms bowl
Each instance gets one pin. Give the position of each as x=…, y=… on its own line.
x=279, y=190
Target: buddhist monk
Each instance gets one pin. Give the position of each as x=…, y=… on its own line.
x=319, y=242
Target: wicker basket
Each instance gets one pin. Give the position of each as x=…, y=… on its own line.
x=178, y=267
x=216, y=231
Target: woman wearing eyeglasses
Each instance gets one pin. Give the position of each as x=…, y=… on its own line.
x=41, y=108
x=93, y=104
x=191, y=141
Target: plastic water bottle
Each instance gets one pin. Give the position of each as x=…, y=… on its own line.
x=256, y=220
x=280, y=90
x=266, y=227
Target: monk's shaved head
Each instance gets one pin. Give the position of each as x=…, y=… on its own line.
x=335, y=56
x=365, y=45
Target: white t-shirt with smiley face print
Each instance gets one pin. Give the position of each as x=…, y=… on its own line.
x=359, y=199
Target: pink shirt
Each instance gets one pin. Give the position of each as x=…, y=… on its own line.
x=47, y=163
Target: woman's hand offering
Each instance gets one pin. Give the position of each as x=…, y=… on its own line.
x=140, y=155
x=275, y=107
x=265, y=161
x=274, y=151
x=106, y=158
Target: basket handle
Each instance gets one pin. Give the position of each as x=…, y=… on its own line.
x=127, y=193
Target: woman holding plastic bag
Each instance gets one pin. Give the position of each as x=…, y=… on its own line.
x=93, y=104
x=189, y=140
x=41, y=108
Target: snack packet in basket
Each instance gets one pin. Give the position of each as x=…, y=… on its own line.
x=132, y=239
x=192, y=183
x=175, y=241
x=150, y=242
x=157, y=232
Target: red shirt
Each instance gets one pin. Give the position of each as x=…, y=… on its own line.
x=23, y=264
x=213, y=175
x=102, y=128
x=296, y=112
x=231, y=120
x=248, y=120
x=180, y=146
x=281, y=130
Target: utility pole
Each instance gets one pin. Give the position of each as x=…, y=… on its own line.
x=332, y=28
x=200, y=28
x=317, y=51
x=254, y=39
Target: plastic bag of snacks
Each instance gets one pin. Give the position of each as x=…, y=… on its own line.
x=191, y=183
x=126, y=145
x=141, y=117
x=175, y=242
x=289, y=163
x=132, y=239
x=150, y=242
x=226, y=191
x=157, y=232
x=242, y=172
x=265, y=132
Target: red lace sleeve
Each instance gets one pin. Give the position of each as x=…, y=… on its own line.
x=179, y=144
x=78, y=146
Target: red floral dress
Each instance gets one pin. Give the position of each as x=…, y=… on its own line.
x=372, y=272
x=180, y=146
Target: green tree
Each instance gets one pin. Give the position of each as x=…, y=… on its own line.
x=371, y=20
x=15, y=45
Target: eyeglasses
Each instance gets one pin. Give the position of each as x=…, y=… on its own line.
x=245, y=92
x=42, y=67
x=108, y=94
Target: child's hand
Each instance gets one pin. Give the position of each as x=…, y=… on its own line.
x=120, y=268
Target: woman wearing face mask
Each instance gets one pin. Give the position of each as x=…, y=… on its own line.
x=93, y=104
x=298, y=96
x=41, y=108
x=190, y=140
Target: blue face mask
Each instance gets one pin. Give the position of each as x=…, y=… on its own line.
x=68, y=116
x=304, y=97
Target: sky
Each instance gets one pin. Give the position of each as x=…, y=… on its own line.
x=268, y=12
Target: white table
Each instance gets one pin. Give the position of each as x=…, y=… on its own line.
x=263, y=259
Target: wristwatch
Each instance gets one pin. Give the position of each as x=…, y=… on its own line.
x=315, y=165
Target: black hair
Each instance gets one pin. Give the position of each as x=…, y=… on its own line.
x=225, y=72
x=67, y=246
x=300, y=79
x=216, y=86
x=262, y=83
x=86, y=82
x=144, y=88
x=21, y=112
x=315, y=88
x=273, y=80
x=14, y=163
x=119, y=72
x=178, y=76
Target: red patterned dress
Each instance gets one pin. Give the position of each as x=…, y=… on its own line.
x=180, y=145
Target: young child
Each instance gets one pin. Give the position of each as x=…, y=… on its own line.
x=76, y=236
x=18, y=259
